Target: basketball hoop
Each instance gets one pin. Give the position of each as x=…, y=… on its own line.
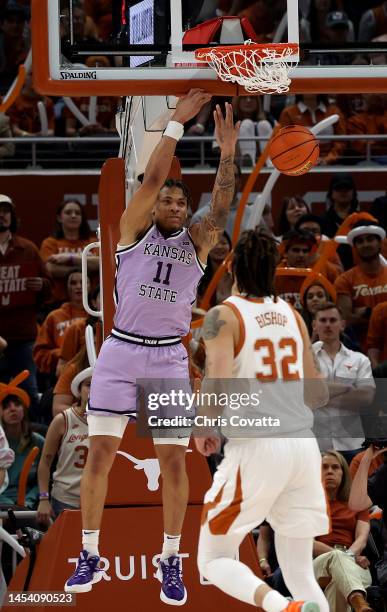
x=262, y=68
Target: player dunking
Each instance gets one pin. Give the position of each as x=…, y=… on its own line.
x=159, y=265
x=256, y=337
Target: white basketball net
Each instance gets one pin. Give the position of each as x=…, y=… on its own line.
x=264, y=69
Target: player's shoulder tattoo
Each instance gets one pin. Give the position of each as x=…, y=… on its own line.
x=212, y=324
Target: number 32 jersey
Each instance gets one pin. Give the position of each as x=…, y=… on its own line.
x=156, y=284
x=270, y=352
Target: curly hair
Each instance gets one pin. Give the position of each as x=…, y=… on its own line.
x=254, y=263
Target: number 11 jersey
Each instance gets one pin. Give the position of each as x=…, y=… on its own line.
x=156, y=284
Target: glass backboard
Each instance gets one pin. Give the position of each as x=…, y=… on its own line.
x=146, y=47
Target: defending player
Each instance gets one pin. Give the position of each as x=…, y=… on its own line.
x=159, y=265
x=273, y=476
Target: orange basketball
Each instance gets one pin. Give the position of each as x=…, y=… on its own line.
x=294, y=150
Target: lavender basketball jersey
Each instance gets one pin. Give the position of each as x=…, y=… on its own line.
x=156, y=283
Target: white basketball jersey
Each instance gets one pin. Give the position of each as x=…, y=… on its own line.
x=270, y=356
x=72, y=457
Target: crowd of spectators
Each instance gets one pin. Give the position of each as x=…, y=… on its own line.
x=321, y=21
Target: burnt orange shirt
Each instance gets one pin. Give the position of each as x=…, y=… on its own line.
x=63, y=385
x=343, y=524
x=377, y=330
x=53, y=246
x=74, y=339
x=364, y=291
x=288, y=288
x=368, y=123
x=374, y=465
x=50, y=336
x=101, y=12
x=24, y=113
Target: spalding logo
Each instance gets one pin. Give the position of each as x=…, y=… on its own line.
x=84, y=75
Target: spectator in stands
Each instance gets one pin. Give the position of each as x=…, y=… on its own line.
x=341, y=200
x=13, y=46
x=254, y=122
x=263, y=16
x=24, y=287
x=316, y=15
x=314, y=225
x=351, y=385
x=339, y=564
x=62, y=251
x=292, y=209
x=7, y=457
x=369, y=488
x=26, y=120
x=297, y=246
x=378, y=210
x=364, y=286
x=318, y=292
x=63, y=396
x=50, y=336
x=340, y=31
x=67, y=439
x=84, y=27
x=14, y=404
x=203, y=210
x=377, y=335
x=100, y=11
x=7, y=149
x=326, y=267
x=74, y=335
x=377, y=460
x=373, y=120
x=373, y=23
x=215, y=257
x=309, y=110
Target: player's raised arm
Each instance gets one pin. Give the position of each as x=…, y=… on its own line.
x=137, y=215
x=206, y=234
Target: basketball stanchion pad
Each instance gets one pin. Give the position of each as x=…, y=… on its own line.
x=130, y=545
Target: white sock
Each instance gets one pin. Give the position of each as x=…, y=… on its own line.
x=90, y=539
x=274, y=602
x=171, y=546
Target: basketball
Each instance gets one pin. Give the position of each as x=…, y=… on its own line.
x=295, y=150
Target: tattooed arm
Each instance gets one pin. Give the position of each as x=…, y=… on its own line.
x=207, y=233
x=220, y=334
x=50, y=449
